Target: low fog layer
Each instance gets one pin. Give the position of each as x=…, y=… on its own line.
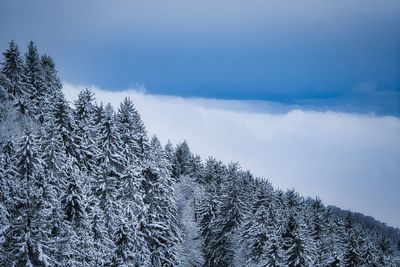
x=348, y=160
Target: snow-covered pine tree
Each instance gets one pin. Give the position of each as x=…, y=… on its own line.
x=6, y=182
x=231, y=214
x=196, y=167
x=213, y=172
x=55, y=169
x=318, y=217
x=385, y=250
x=351, y=253
x=74, y=201
x=129, y=130
x=132, y=199
x=260, y=224
x=34, y=80
x=124, y=247
x=85, y=132
x=182, y=160
x=298, y=249
x=13, y=89
x=295, y=245
x=12, y=72
x=206, y=213
x=163, y=232
x=169, y=151
x=51, y=81
x=369, y=251
x=111, y=164
x=26, y=238
x=62, y=115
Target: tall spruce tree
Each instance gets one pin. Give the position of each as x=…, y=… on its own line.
x=259, y=229
x=26, y=239
x=182, y=160
x=163, y=232
x=12, y=72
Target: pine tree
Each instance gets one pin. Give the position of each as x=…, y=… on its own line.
x=182, y=160
x=132, y=198
x=51, y=82
x=385, y=251
x=128, y=129
x=123, y=255
x=63, y=122
x=12, y=72
x=206, y=213
x=295, y=245
x=34, y=79
x=260, y=225
x=369, y=252
x=196, y=167
x=213, y=172
x=163, y=232
x=111, y=166
x=351, y=255
x=26, y=238
x=73, y=200
x=6, y=183
x=169, y=151
x=273, y=255
x=79, y=241
x=318, y=225
x=231, y=214
x=85, y=132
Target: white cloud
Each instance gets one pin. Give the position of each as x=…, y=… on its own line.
x=349, y=160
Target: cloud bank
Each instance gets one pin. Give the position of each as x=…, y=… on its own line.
x=349, y=160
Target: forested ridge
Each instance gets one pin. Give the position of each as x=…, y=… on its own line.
x=82, y=184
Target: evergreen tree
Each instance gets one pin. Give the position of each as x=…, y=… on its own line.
x=351, y=255
x=230, y=217
x=169, y=151
x=51, y=82
x=63, y=122
x=213, y=172
x=182, y=160
x=385, y=251
x=259, y=229
x=129, y=130
x=12, y=72
x=206, y=213
x=85, y=131
x=295, y=245
x=123, y=255
x=34, y=80
x=26, y=239
x=132, y=197
x=318, y=227
x=163, y=232
x=111, y=166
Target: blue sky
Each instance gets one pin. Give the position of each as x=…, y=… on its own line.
x=341, y=55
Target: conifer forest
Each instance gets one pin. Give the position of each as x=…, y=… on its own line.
x=83, y=184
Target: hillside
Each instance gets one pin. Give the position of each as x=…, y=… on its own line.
x=83, y=184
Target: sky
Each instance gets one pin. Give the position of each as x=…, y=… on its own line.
x=312, y=86
x=341, y=53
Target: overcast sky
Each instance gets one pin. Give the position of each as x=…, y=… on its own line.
x=315, y=84
x=341, y=52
